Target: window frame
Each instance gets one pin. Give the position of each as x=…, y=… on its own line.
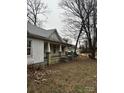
x=29, y=47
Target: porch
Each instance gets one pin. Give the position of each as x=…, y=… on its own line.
x=53, y=52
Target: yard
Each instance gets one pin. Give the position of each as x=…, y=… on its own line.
x=77, y=76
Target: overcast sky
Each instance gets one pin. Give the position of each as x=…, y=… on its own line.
x=55, y=17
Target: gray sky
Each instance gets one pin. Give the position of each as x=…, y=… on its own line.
x=54, y=16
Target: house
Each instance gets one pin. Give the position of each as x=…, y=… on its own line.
x=44, y=46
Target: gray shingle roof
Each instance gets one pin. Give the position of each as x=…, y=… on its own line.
x=46, y=34
x=38, y=31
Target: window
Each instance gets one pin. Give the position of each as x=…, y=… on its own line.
x=29, y=47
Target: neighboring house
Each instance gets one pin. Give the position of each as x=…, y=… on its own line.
x=44, y=46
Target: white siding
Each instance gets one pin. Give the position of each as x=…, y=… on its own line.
x=37, y=55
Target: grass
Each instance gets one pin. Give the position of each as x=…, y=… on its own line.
x=77, y=76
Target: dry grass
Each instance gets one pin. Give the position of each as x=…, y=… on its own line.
x=78, y=76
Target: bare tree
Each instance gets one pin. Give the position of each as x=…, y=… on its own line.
x=35, y=8
x=81, y=15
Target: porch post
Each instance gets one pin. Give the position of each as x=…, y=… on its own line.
x=48, y=54
x=60, y=50
x=48, y=47
x=66, y=49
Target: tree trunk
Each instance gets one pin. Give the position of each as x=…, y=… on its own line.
x=78, y=40
x=92, y=50
x=92, y=56
x=91, y=42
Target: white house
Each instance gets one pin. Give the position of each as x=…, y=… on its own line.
x=44, y=46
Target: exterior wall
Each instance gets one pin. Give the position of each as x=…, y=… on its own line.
x=37, y=51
